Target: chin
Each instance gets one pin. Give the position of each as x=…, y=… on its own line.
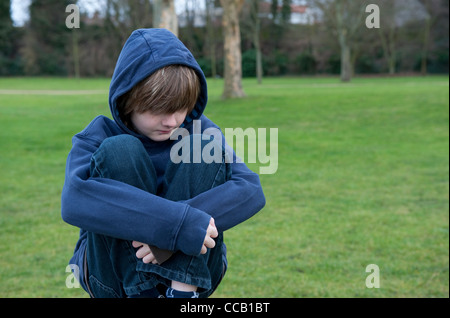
x=159, y=138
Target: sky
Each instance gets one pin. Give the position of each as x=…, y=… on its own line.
x=19, y=11
x=19, y=8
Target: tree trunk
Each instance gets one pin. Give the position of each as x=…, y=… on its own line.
x=426, y=43
x=389, y=50
x=259, y=67
x=346, y=63
x=393, y=58
x=256, y=39
x=75, y=52
x=210, y=18
x=232, y=49
x=164, y=15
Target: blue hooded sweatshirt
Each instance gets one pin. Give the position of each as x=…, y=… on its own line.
x=119, y=210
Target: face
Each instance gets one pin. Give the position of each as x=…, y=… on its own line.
x=157, y=127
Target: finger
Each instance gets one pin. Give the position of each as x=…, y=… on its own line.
x=143, y=251
x=214, y=233
x=210, y=243
x=150, y=258
x=137, y=244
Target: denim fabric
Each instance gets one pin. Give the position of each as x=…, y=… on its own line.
x=112, y=266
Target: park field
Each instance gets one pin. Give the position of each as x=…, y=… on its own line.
x=363, y=178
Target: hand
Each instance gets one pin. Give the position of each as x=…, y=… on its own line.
x=211, y=233
x=144, y=252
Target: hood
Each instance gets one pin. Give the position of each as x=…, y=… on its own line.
x=146, y=51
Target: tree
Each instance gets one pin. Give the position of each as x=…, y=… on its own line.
x=210, y=35
x=164, y=15
x=389, y=33
x=232, y=49
x=396, y=16
x=346, y=17
x=349, y=18
x=433, y=9
x=7, y=39
x=281, y=15
x=47, y=39
x=251, y=29
x=256, y=38
x=286, y=11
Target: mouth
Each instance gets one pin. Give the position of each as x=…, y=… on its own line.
x=165, y=132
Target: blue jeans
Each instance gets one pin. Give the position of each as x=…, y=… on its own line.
x=113, y=270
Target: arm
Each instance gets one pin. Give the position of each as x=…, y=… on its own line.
x=147, y=253
x=237, y=199
x=119, y=210
x=244, y=198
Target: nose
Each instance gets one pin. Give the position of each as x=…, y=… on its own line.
x=169, y=121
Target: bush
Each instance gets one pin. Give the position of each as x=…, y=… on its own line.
x=249, y=63
x=277, y=63
x=205, y=65
x=306, y=63
x=366, y=64
x=333, y=65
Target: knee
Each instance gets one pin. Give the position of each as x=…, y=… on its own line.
x=124, y=158
x=122, y=145
x=116, y=154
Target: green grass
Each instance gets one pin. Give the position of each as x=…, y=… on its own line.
x=363, y=178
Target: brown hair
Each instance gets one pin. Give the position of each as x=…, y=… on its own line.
x=170, y=89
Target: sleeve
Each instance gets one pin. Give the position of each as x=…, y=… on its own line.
x=233, y=202
x=119, y=210
x=236, y=200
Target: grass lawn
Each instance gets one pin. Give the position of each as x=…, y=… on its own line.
x=363, y=178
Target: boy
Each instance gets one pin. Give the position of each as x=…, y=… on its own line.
x=150, y=227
